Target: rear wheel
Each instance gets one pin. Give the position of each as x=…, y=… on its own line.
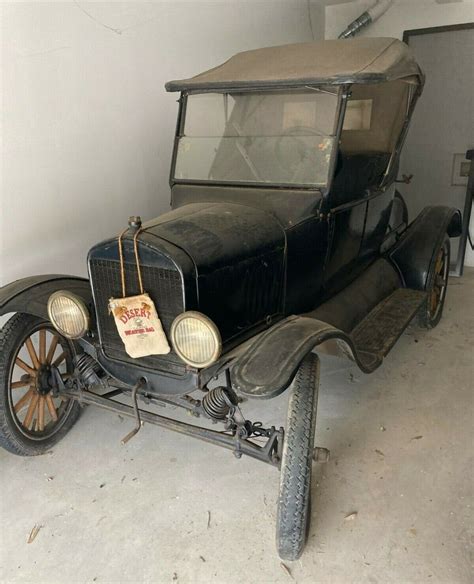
x=33, y=417
x=432, y=309
x=294, y=502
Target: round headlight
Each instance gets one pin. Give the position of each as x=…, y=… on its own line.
x=68, y=313
x=196, y=339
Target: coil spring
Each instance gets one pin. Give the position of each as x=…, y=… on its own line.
x=89, y=370
x=216, y=403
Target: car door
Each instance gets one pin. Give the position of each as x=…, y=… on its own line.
x=346, y=231
x=347, y=205
x=379, y=206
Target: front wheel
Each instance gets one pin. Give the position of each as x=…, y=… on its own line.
x=294, y=501
x=33, y=417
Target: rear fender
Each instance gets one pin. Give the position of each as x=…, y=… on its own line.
x=415, y=252
x=30, y=295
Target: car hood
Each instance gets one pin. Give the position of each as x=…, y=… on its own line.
x=239, y=257
x=219, y=235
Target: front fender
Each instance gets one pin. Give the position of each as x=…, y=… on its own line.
x=365, y=319
x=30, y=295
x=270, y=363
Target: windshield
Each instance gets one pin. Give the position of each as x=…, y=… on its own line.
x=272, y=137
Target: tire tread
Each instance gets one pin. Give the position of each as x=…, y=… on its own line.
x=295, y=484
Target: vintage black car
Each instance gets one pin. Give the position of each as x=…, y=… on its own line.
x=286, y=230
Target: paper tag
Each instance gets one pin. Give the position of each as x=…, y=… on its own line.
x=139, y=326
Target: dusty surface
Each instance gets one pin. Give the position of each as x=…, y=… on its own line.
x=166, y=508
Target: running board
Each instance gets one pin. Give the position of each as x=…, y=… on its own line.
x=270, y=362
x=381, y=328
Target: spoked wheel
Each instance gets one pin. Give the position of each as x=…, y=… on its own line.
x=32, y=416
x=294, y=501
x=432, y=310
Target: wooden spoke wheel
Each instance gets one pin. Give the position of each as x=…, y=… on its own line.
x=33, y=416
x=436, y=287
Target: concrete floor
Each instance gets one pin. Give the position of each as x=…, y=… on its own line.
x=166, y=508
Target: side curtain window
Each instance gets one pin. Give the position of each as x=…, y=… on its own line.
x=373, y=121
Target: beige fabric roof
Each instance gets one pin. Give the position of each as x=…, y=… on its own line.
x=358, y=60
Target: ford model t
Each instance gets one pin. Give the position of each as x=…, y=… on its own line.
x=286, y=231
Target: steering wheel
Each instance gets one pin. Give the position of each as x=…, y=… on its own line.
x=298, y=153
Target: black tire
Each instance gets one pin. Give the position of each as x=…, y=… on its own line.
x=294, y=502
x=437, y=284
x=15, y=436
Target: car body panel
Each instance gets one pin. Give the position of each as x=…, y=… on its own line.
x=288, y=206
x=415, y=252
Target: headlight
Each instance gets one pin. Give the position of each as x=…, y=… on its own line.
x=196, y=339
x=68, y=313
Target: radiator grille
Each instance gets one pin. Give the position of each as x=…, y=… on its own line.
x=164, y=287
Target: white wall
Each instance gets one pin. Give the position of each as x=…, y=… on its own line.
x=87, y=124
x=443, y=122
x=402, y=15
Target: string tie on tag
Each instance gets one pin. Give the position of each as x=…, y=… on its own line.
x=133, y=223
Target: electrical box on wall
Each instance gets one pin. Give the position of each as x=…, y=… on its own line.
x=461, y=168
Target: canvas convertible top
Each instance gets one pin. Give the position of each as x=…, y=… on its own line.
x=359, y=60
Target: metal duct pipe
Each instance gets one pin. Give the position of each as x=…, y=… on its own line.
x=371, y=15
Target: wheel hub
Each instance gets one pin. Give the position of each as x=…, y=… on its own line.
x=43, y=379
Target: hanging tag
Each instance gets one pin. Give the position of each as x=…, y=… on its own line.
x=139, y=326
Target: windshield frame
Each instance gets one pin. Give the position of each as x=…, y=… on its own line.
x=341, y=91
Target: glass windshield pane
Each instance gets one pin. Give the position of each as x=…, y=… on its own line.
x=277, y=137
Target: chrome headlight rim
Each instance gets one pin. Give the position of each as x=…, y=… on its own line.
x=79, y=304
x=213, y=329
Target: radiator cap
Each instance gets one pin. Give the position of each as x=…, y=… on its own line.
x=135, y=222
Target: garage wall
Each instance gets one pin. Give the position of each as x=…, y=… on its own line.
x=404, y=15
x=87, y=126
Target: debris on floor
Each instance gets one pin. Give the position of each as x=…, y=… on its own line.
x=321, y=454
x=33, y=533
x=351, y=516
x=287, y=570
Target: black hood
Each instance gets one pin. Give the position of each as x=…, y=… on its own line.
x=238, y=254
x=215, y=235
